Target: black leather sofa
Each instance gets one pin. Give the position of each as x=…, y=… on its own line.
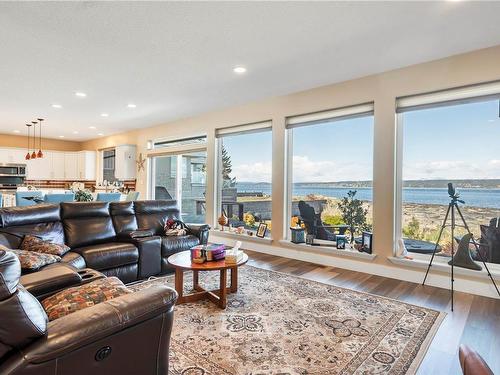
x=123, y=239
x=129, y=334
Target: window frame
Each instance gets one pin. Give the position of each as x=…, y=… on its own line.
x=237, y=130
x=315, y=118
x=443, y=98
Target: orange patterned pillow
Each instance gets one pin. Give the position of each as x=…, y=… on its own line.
x=80, y=297
x=32, y=261
x=32, y=243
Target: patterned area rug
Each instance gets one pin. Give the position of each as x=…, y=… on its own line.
x=278, y=324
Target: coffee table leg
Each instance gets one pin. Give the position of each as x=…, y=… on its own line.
x=223, y=291
x=196, y=283
x=179, y=283
x=234, y=279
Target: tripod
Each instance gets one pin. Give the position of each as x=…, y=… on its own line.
x=452, y=207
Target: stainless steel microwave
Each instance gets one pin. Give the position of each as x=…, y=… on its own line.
x=13, y=170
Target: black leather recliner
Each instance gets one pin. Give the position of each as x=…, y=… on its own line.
x=154, y=214
x=126, y=335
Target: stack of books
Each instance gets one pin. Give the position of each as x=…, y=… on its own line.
x=210, y=252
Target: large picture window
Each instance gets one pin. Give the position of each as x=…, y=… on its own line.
x=330, y=174
x=244, y=176
x=453, y=141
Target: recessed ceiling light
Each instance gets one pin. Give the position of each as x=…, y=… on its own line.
x=61, y=136
x=80, y=94
x=56, y=106
x=104, y=115
x=92, y=127
x=100, y=134
x=75, y=132
x=16, y=131
x=131, y=105
x=239, y=69
x=491, y=120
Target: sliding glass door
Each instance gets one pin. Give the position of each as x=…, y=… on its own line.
x=181, y=177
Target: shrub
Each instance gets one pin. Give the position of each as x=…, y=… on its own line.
x=333, y=220
x=249, y=219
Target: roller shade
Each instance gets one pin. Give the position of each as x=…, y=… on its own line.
x=466, y=94
x=337, y=114
x=255, y=127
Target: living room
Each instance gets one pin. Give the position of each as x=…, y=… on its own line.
x=353, y=195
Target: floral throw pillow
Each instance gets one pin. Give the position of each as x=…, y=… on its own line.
x=32, y=261
x=32, y=243
x=77, y=298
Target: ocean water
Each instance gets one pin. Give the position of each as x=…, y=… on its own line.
x=472, y=197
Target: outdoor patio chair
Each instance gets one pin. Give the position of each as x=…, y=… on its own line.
x=161, y=193
x=314, y=225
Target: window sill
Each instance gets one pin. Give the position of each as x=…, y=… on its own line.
x=241, y=237
x=443, y=266
x=327, y=250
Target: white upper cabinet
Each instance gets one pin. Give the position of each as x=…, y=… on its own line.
x=125, y=156
x=57, y=172
x=71, y=166
x=87, y=165
x=55, y=165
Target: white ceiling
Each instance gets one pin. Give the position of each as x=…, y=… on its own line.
x=175, y=60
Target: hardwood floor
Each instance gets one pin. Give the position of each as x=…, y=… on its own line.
x=475, y=321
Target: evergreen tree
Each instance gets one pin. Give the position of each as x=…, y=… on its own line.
x=353, y=213
x=227, y=169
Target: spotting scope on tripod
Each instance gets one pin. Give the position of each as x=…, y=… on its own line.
x=464, y=251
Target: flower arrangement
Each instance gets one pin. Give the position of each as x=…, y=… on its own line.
x=83, y=196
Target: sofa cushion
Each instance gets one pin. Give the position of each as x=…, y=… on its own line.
x=77, y=298
x=123, y=216
x=32, y=243
x=87, y=223
x=109, y=255
x=174, y=244
x=74, y=259
x=10, y=272
x=32, y=261
x=154, y=214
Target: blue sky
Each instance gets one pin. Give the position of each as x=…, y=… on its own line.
x=461, y=141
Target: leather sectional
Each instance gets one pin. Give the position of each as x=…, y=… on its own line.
x=123, y=239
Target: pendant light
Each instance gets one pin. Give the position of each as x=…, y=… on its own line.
x=33, y=155
x=28, y=155
x=40, y=153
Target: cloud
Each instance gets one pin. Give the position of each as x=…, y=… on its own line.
x=451, y=169
x=307, y=170
x=256, y=172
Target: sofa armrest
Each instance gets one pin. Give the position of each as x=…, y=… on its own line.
x=51, y=280
x=133, y=234
x=199, y=230
x=83, y=327
x=149, y=255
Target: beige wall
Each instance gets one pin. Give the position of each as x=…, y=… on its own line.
x=383, y=89
x=8, y=140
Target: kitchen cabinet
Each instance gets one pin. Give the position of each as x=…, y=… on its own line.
x=125, y=166
x=71, y=166
x=58, y=165
x=13, y=155
x=55, y=165
x=86, y=165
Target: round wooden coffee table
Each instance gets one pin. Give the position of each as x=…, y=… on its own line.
x=182, y=262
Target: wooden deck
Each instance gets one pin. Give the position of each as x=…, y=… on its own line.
x=475, y=321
